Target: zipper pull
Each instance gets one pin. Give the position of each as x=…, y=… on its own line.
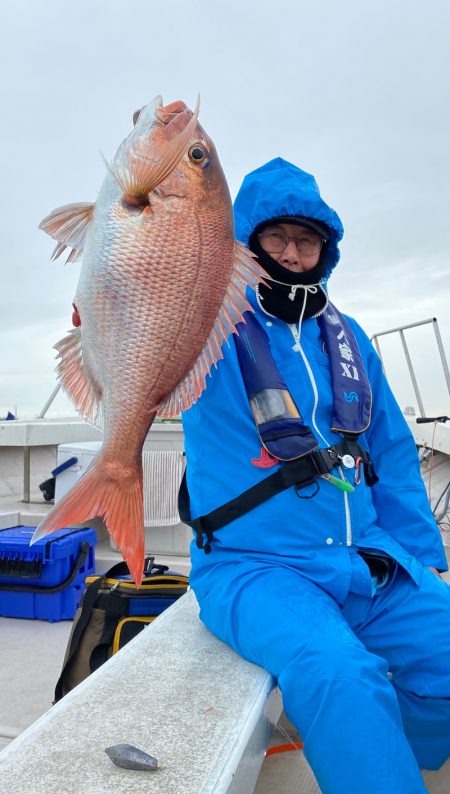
x=296, y=335
x=341, y=485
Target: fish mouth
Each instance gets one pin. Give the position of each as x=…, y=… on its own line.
x=166, y=113
x=160, y=139
x=174, y=119
x=162, y=114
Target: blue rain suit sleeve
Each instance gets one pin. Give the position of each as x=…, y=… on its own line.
x=399, y=498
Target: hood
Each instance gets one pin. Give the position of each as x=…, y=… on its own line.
x=279, y=189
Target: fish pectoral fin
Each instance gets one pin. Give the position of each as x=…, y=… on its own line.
x=68, y=225
x=139, y=166
x=246, y=272
x=74, y=379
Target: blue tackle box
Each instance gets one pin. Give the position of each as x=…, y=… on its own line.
x=45, y=580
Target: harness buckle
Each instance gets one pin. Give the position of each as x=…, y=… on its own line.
x=324, y=460
x=334, y=455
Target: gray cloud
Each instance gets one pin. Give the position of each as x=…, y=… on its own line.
x=357, y=94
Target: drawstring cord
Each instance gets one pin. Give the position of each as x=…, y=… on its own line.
x=308, y=288
x=312, y=289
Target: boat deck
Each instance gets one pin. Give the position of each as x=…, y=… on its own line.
x=31, y=654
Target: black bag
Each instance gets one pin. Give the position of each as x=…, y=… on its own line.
x=113, y=610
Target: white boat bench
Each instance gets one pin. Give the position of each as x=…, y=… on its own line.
x=176, y=692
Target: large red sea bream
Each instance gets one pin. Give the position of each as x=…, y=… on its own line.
x=162, y=285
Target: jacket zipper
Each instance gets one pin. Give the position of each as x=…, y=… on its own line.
x=348, y=521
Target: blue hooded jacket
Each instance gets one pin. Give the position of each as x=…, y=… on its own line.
x=318, y=536
x=278, y=189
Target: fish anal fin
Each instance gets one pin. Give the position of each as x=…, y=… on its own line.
x=73, y=377
x=68, y=225
x=114, y=493
x=246, y=272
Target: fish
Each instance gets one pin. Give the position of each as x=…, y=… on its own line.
x=162, y=286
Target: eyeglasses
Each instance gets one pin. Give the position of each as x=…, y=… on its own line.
x=275, y=241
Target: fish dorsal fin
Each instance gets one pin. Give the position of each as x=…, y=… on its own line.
x=74, y=380
x=68, y=225
x=246, y=272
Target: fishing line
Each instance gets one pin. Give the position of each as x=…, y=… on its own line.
x=431, y=461
x=282, y=748
x=441, y=498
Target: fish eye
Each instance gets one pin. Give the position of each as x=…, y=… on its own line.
x=198, y=153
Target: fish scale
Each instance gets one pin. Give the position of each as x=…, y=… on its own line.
x=162, y=285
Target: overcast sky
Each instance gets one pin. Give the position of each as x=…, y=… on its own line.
x=357, y=93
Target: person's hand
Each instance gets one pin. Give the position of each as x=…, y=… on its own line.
x=435, y=571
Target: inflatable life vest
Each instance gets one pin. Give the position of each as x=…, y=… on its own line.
x=280, y=425
x=277, y=418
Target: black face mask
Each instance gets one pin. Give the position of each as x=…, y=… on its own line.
x=282, y=299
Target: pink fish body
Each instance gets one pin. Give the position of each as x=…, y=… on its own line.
x=162, y=285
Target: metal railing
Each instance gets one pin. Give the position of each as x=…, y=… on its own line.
x=374, y=339
x=400, y=330
x=47, y=405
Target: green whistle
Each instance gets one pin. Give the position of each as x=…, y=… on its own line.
x=343, y=485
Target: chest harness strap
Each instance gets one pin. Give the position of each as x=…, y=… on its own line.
x=280, y=425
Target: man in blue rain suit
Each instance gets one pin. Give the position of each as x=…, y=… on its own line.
x=330, y=579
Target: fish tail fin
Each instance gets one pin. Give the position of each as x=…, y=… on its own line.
x=113, y=492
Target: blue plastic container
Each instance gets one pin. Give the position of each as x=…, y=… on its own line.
x=46, y=580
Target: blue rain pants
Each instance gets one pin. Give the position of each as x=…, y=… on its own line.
x=364, y=732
